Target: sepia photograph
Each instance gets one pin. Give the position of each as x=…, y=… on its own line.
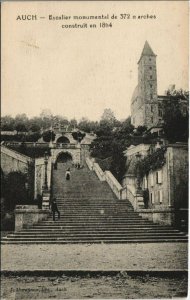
x=94, y=149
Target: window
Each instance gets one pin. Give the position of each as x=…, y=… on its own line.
x=150, y=85
x=151, y=119
x=151, y=98
x=151, y=180
x=150, y=68
x=152, y=197
x=145, y=182
x=160, y=196
x=149, y=59
x=150, y=76
x=151, y=107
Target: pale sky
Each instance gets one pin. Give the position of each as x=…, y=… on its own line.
x=80, y=72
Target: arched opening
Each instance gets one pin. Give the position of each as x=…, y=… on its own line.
x=63, y=161
x=63, y=157
x=63, y=140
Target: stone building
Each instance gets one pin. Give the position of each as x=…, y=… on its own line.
x=144, y=104
x=147, y=107
x=166, y=182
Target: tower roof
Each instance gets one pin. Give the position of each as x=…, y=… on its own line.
x=147, y=51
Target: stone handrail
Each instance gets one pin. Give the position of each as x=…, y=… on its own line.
x=131, y=196
x=107, y=176
x=99, y=172
x=89, y=163
x=113, y=183
x=14, y=154
x=15, y=143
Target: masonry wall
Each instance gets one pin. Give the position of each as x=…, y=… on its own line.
x=158, y=192
x=12, y=161
x=179, y=183
x=172, y=188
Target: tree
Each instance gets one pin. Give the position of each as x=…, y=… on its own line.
x=176, y=122
x=78, y=135
x=35, y=127
x=7, y=123
x=21, y=127
x=108, y=115
x=73, y=123
x=48, y=136
x=14, y=190
x=46, y=117
x=84, y=125
x=111, y=144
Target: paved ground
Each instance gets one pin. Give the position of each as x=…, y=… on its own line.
x=157, y=256
x=121, y=286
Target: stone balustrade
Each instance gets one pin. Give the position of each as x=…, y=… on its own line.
x=113, y=183
x=107, y=176
x=89, y=163
x=99, y=172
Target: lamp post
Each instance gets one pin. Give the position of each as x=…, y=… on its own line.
x=46, y=157
x=139, y=190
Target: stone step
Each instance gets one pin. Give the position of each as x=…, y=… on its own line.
x=73, y=229
x=96, y=215
x=94, y=225
x=98, y=241
x=94, y=234
x=94, y=238
x=101, y=218
x=97, y=221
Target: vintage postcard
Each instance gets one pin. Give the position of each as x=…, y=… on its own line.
x=94, y=149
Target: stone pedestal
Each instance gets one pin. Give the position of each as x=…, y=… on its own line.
x=46, y=200
x=140, y=200
x=27, y=215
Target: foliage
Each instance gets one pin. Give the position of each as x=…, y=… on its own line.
x=14, y=190
x=87, y=126
x=111, y=141
x=108, y=115
x=48, y=136
x=31, y=151
x=78, y=135
x=176, y=117
x=140, y=130
x=153, y=161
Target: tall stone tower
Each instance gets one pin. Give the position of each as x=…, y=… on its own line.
x=144, y=104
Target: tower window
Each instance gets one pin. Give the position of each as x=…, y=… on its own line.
x=151, y=119
x=151, y=108
x=150, y=68
x=150, y=85
x=150, y=96
x=150, y=76
x=149, y=59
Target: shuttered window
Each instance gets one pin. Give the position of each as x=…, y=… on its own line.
x=160, y=196
x=151, y=180
x=159, y=176
x=152, y=197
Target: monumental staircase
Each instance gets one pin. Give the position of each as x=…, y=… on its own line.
x=91, y=213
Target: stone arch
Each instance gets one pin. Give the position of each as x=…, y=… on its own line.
x=63, y=140
x=64, y=157
x=67, y=135
x=62, y=152
x=75, y=153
